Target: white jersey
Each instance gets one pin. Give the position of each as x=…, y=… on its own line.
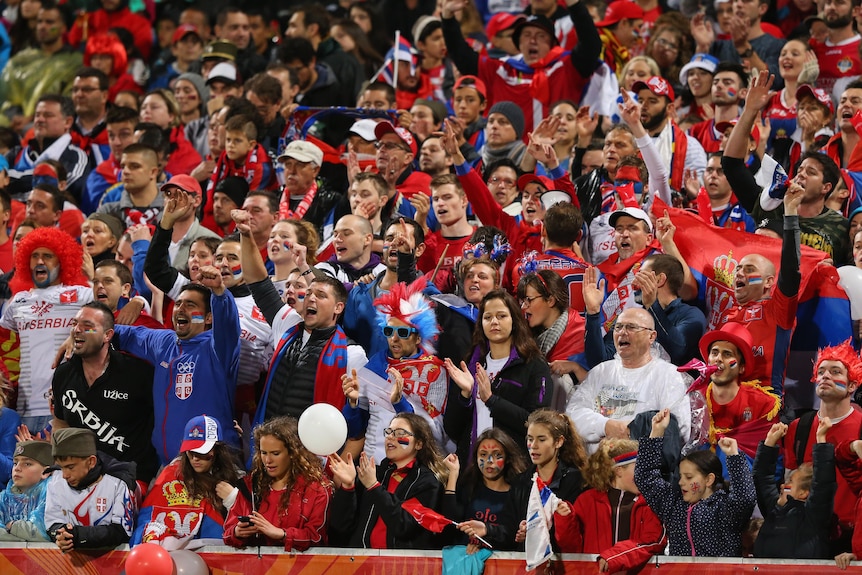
x=612, y=391
x=42, y=319
x=105, y=502
x=255, y=341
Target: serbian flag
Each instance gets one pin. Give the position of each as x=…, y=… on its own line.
x=712, y=254
x=540, y=518
x=402, y=52
x=426, y=517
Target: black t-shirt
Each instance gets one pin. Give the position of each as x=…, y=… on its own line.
x=118, y=408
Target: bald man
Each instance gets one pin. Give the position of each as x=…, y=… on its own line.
x=766, y=306
x=634, y=382
x=352, y=240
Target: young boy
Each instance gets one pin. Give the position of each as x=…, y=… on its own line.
x=90, y=501
x=243, y=156
x=469, y=103
x=798, y=519
x=22, y=504
x=449, y=203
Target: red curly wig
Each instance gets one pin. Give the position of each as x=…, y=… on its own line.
x=110, y=45
x=845, y=354
x=68, y=251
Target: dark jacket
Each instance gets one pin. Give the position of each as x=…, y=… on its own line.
x=567, y=484
x=520, y=388
x=355, y=513
x=712, y=527
x=347, y=69
x=799, y=529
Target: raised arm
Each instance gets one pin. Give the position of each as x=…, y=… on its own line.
x=585, y=56
x=462, y=55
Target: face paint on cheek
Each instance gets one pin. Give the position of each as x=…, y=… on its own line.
x=89, y=331
x=287, y=245
x=731, y=92
x=755, y=279
x=695, y=487
x=300, y=295
x=236, y=271
x=197, y=317
x=732, y=363
x=840, y=385
x=404, y=442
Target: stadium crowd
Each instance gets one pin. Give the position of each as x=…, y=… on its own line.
x=561, y=259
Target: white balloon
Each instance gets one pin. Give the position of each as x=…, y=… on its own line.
x=322, y=429
x=851, y=282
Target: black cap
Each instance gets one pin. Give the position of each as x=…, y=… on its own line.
x=538, y=22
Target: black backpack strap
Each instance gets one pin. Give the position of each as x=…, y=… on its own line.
x=803, y=430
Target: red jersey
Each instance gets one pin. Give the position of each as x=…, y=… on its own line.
x=435, y=243
x=836, y=61
x=753, y=402
x=568, y=266
x=705, y=133
x=771, y=323
x=845, y=430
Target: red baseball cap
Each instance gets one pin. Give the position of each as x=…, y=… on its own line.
x=405, y=136
x=543, y=181
x=620, y=10
x=183, y=31
x=183, y=182
x=657, y=85
x=820, y=95
x=473, y=82
x=501, y=21
x=722, y=127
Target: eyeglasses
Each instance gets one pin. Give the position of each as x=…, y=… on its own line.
x=629, y=327
x=403, y=332
x=528, y=301
x=398, y=433
x=502, y=181
x=389, y=146
x=202, y=456
x=667, y=44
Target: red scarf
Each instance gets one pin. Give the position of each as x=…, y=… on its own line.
x=540, y=88
x=284, y=211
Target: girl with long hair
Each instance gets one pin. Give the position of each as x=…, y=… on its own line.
x=161, y=108
x=557, y=460
x=506, y=378
x=289, y=493
x=354, y=40
x=292, y=245
x=611, y=519
x=369, y=510
x=559, y=330
x=199, y=486
x=704, y=514
x=481, y=492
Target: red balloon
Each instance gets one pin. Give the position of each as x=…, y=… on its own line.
x=149, y=559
